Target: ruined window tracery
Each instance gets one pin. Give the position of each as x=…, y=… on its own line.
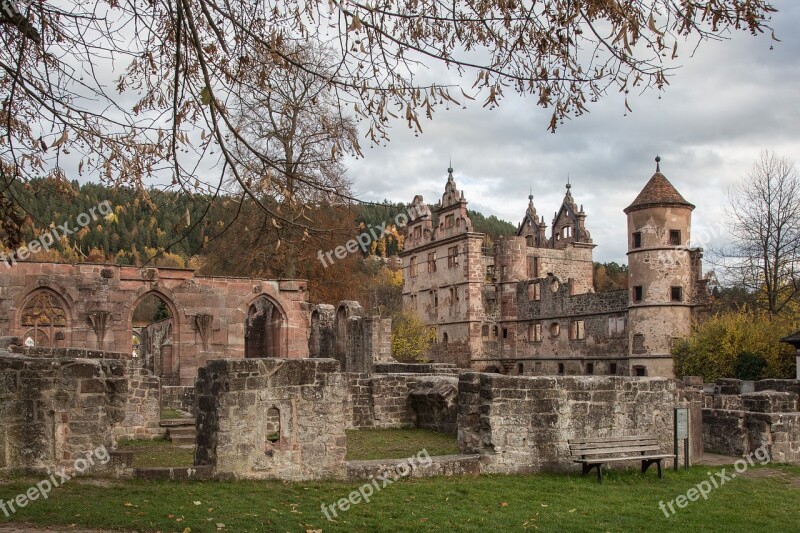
x=46, y=319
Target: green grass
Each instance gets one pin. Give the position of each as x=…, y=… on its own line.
x=150, y=453
x=627, y=501
x=171, y=414
x=365, y=444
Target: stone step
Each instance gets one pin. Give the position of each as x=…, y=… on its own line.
x=181, y=431
x=176, y=422
x=185, y=473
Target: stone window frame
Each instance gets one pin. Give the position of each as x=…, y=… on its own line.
x=675, y=237
x=639, y=371
x=638, y=293
x=535, y=332
x=636, y=240
x=452, y=257
x=612, y=369
x=431, y=262
x=637, y=344
x=534, y=291
x=676, y=293
x=577, y=330
x=412, y=266
x=590, y=368
x=615, y=331
x=562, y=369
x=555, y=329
x=449, y=220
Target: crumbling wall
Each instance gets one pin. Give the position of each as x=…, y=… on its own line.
x=271, y=419
x=177, y=397
x=523, y=424
x=434, y=400
x=742, y=416
x=53, y=410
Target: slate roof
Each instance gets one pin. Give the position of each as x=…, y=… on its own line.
x=658, y=192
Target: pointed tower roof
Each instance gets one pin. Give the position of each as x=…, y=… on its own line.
x=658, y=192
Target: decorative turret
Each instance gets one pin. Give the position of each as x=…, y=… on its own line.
x=532, y=227
x=569, y=223
x=451, y=211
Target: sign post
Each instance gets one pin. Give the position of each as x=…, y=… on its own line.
x=681, y=433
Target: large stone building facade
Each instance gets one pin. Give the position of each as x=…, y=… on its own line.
x=528, y=306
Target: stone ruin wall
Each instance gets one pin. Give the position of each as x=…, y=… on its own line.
x=271, y=419
x=741, y=416
x=523, y=424
x=57, y=405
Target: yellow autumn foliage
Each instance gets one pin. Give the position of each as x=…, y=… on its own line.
x=411, y=338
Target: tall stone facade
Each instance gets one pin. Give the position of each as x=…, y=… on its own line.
x=91, y=306
x=528, y=305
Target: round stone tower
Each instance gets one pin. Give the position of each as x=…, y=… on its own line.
x=662, y=275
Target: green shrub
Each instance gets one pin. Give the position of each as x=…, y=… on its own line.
x=715, y=346
x=749, y=366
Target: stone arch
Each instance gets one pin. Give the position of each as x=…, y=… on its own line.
x=266, y=328
x=314, y=335
x=272, y=426
x=492, y=369
x=45, y=318
x=168, y=366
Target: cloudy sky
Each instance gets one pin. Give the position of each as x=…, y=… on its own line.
x=729, y=102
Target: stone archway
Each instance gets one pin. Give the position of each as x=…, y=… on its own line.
x=44, y=319
x=158, y=331
x=265, y=330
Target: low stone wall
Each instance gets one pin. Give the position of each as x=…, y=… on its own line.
x=740, y=417
x=416, y=368
x=359, y=409
x=56, y=410
x=271, y=419
x=143, y=404
x=523, y=424
x=414, y=466
x=177, y=397
x=434, y=400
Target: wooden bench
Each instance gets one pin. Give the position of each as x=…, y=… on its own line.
x=592, y=453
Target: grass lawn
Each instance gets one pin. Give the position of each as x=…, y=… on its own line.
x=171, y=414
x=365, y=444
x=148, y=453
x=627, y=501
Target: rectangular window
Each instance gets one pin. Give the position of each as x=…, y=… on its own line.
x=533, y=267
x=412, y=267
x=489, y=272
x=612, y=369
x=637, y=240
x=676, y=294
x=449, y=221
x=435, y=298
x=560, y=369
x=484, y=331
x=537, y=366
x=520, y=369
x=505, y=333
x=639, y=371
x=452, y=257
x=675, y=237
x=418, y=232
x=616, y=326
x=578, y=330
x=535, y=332
x=637, y=293
x=431, y=262
x=534, y=292
x=589, y=369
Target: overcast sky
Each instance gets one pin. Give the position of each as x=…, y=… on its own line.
x=729, y=102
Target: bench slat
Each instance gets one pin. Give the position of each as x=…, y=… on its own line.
x=629, y=449
x=648, y=442
x=610, y=439
x=596, y=460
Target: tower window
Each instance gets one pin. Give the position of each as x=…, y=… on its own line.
x=561, y=369
x=589, y=369
x=412, y=267
x=612, y=369
x=675, y=237
x=431, y=262
x=452, y=257
x=577, y=330
x=520, y=368
x=505, y=333
x=639, y=371
x=637, y=240
x=676, y=293
x=637, y=293
x=535, y=332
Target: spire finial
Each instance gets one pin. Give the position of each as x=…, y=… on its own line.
x=658, y=163
x=450, y=167
x=568, y=184
x=530, y=194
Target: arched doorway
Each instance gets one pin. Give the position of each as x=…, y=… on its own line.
x=152, y=324
x=264, y=330
x=44, y=320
